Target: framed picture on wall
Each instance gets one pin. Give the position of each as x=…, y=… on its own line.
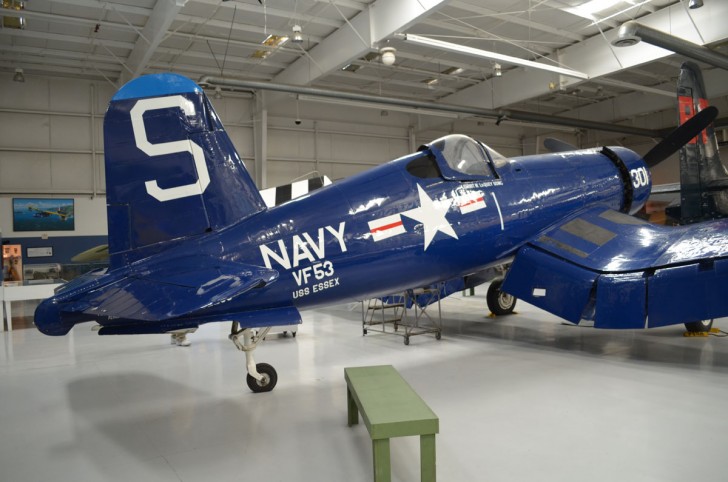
x=41, y=214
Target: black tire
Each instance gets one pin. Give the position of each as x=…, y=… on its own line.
x=699, y=326
x=294, y=334
x=270, y=378
x=406, y=340
x=499, y=302
x=438, y=335
x=364, y=332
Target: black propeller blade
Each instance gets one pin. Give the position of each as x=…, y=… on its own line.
x=556, y=145
x=680, y=136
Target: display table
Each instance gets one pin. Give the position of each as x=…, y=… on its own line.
x=34, y=291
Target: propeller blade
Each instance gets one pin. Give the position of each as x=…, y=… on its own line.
x=556, y=145
x=680, y=136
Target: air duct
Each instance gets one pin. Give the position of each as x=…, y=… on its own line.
x=504, y=115
x=630, y=33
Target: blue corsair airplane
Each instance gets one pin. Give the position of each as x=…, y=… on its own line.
x=191, y=240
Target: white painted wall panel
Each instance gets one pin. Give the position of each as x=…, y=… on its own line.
x=290, y=144
x=66, y=96
x=25, y=172
x=71, y=172
x=70, y=132
x=31, y=94
x=24, y=131
x=282, y=172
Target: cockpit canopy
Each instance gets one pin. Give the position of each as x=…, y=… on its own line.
x=463, y=158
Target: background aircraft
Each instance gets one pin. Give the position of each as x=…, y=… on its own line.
x=63, y=212
x=191, y=240
x=703, y=177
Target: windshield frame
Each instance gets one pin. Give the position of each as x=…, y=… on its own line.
x=491, y=158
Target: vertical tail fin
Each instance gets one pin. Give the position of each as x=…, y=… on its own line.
x=171, y=170
x=700, y=162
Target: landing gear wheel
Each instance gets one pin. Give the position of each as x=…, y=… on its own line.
x=406, y=340
x=703, y=326
x=438, y=335
x=499, y=303
x=270, y=378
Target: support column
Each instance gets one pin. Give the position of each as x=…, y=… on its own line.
x=260, y=140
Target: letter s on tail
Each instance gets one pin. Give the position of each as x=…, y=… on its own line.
x=171, y=170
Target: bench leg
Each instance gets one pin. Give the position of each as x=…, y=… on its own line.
x=352, y=409
x=427, y=458
x=382, y=465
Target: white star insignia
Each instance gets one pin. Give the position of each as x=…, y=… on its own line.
x=432, y=216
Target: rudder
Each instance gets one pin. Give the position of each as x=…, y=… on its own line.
x=171, y=170
x=700, y=163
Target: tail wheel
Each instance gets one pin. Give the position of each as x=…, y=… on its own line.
x=267, y=383
x=703, y=326
x=499, y=302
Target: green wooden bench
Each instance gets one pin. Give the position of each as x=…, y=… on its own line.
x=391, y=408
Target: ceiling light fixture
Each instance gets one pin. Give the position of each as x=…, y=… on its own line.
x=486, y=54
x=693, y=4
x=431, y=83
x=18, y=77
x=497, y=70
x=297, y=37
x=272, y=41
x=386, y=54
x=218, y=92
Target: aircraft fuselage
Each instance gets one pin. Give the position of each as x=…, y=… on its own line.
x=414, y=232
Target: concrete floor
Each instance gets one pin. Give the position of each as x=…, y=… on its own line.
x=519, y=398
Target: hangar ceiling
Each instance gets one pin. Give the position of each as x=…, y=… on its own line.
x=341, y=42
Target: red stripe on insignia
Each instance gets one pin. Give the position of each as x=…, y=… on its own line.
x=474, y=201
x=387, y=226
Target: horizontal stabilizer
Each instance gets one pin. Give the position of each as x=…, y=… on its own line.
x=184, y=287
x=286, y=315
x=159, y=293
x=625, y=273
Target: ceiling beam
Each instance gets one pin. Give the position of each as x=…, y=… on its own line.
x=362, y=34
x=56, y=37
x=273, y=12
x=638, y=103
x=381, y=80
x=484, y=35
x=597, y=58
x=154, y=31
x=485, y=12
x=500, y=114
x=56, y=54
x=111, y=7
x=238, y=27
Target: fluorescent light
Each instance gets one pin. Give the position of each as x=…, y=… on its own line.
x=351, y=67
x=486, y=54
x=376, y=105
x=453, y=71
x=588, y=9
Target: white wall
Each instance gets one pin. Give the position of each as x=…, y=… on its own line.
x=51, y=141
